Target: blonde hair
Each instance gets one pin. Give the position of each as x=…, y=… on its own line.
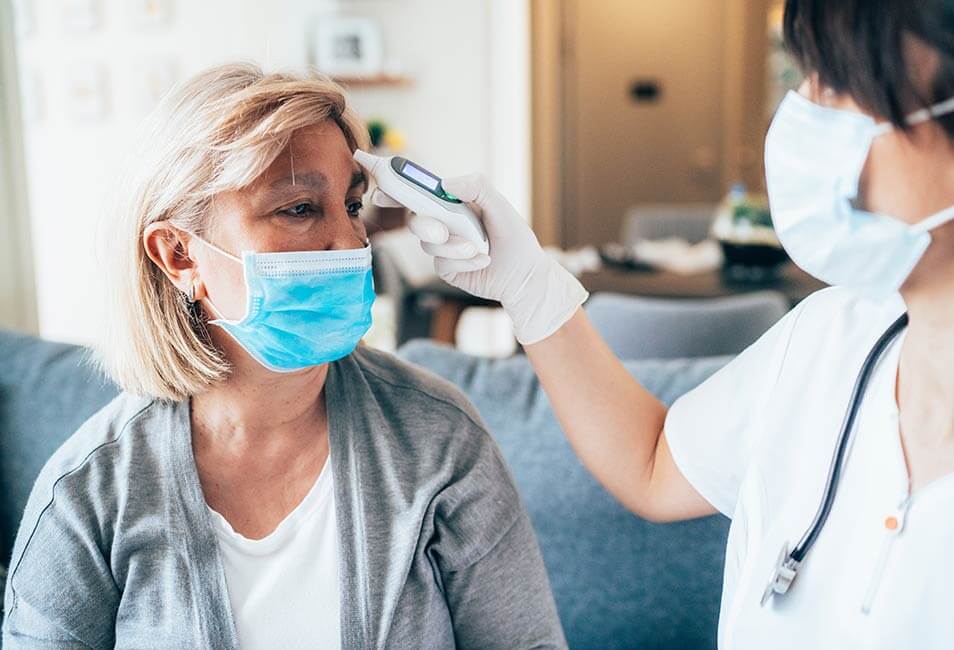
x=217, y=132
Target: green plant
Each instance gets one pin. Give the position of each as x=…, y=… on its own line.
x=756, y=214
x=377, y=130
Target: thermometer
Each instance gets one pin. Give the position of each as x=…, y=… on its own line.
x=422, y=192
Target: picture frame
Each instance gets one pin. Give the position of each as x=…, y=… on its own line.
x=149, y=14
x=151, y=80
x=348, y=46
x=86, y=96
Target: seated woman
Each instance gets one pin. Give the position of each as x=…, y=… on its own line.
x=263, y=482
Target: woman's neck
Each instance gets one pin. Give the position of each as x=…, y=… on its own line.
x=255, y=404
x=260, y=440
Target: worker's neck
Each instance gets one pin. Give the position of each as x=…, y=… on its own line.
x=926, y=382
x=929, y=292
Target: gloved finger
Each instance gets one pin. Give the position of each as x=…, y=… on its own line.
x=477, y=189
x=428, y=229
x=455, y=248
x=472, y=188
x=383, y=200
x=445, y=267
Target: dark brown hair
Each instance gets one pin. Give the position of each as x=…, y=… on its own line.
x=858, y=47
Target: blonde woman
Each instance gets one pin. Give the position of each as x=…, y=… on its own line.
x=264, y=482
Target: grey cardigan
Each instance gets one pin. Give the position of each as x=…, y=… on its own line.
x=435, y=548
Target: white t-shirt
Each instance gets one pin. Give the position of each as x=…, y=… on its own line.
x=756, y=440
x=283, y=588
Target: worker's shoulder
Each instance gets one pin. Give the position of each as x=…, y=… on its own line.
x=846, y=313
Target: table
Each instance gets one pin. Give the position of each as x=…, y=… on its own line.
x=790, y=281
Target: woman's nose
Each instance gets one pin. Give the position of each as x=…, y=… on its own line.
x=348, y=233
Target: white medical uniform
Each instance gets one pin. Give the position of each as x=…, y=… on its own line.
x=283, y=588
x=756, y=440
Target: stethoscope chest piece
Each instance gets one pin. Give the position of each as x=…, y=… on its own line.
x=786, y=568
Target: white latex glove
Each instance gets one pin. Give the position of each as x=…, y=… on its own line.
x=538, y=294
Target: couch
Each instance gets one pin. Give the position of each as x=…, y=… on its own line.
x=619, y=582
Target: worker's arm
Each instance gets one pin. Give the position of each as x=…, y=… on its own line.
x=614, y=424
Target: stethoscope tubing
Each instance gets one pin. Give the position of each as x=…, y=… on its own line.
x=841, y=449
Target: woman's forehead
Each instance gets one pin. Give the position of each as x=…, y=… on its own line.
x=318, y=155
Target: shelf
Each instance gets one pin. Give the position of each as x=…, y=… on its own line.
x=375, y=81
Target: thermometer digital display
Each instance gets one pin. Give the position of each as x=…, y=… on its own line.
x=422, y=192
x=421, y=176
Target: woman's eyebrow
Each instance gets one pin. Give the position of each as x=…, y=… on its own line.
x=314, y=180
x=279, y=189
x=359, y=179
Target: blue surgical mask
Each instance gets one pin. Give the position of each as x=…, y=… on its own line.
x=303, y=308
x=814, y=156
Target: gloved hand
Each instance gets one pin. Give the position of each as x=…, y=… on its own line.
x=535, y=290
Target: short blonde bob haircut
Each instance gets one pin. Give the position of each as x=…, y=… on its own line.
x=217, y=132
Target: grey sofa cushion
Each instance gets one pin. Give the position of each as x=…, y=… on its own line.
x=46, y=392
x=619, y=582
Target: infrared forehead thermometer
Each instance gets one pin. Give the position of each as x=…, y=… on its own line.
x=422, y=192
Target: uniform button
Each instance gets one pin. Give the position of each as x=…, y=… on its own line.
x=891, y=522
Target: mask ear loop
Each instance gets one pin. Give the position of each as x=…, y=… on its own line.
x=919, y=117
x=192, y=301
x=217, y=249
x=934, y=221
x=938, y=110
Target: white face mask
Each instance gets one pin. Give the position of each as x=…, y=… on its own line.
x=814, y=156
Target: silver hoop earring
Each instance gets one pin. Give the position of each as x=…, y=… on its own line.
x=191, y=295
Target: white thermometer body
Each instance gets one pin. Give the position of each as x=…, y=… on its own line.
x=422, y=192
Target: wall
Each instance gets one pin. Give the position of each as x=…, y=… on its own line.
x=509, y=94
x=722, y=74
x=547, y=41
x=622, y=151
x=744, y=97
x=17, y=306
x=449, y=113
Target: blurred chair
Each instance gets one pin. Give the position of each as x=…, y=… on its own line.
x=658, y=328
x=689, y=221
x=412, y=319
x=424, y=305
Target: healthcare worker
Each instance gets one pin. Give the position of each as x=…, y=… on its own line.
x=830, y=441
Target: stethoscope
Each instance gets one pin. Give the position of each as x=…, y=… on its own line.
x=786, y=567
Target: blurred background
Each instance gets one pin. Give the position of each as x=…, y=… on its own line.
x=628, y=132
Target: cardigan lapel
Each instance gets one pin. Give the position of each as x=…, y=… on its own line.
x=378, y=523
x=206, y=571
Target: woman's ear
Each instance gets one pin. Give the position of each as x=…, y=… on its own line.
x=168, y=248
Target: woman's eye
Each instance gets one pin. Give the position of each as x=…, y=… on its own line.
x=300, y=210
x=354, y=208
